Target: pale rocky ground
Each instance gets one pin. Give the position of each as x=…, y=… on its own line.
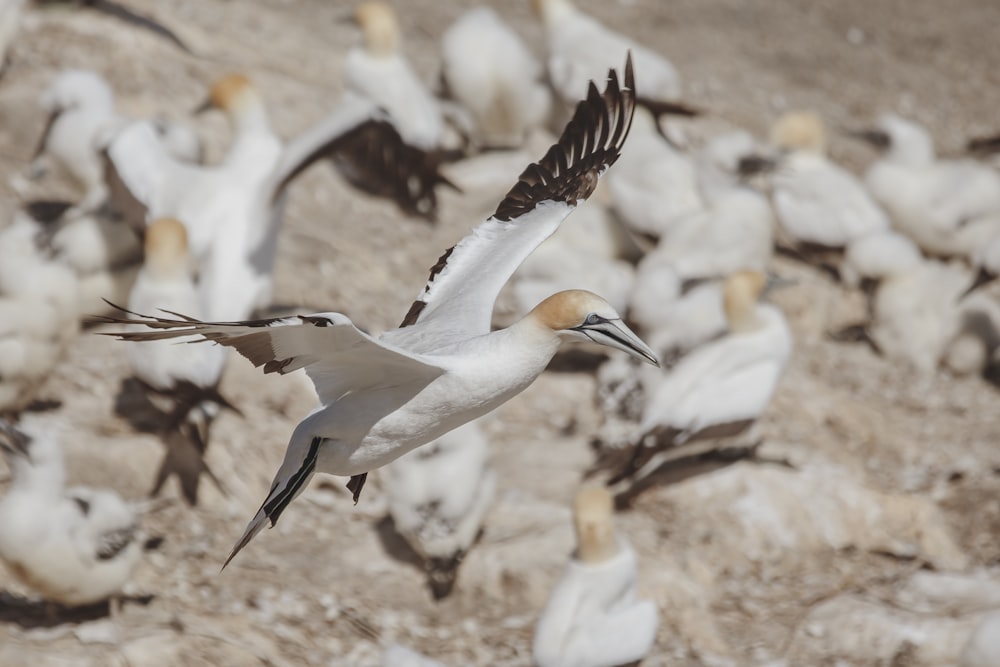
x=879, y=548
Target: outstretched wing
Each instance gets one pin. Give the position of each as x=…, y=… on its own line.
x=371, y=155
x=466, y=280
x=337, y=355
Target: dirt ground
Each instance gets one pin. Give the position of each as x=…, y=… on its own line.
x=331, y=585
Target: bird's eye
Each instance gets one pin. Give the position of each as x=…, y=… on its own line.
x=594, y=318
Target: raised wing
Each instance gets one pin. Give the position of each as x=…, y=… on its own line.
x=337, y=355
x=466, y=280
x=371, y=155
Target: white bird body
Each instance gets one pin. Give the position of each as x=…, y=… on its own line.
x=82, y=115
x=439, y=495
x=382, y=397
x=229, y=209
x=818, y=202
x=168, y=285
x=931, y=200
x=493, y=75
x=733, y=232
x=38, y=314
x=592, y=617
x=378, y=72
x=581, y=49
x=724, y=381
x=74, y=546
x=916, y=310
x=654, y=186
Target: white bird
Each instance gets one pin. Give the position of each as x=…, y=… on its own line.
x=592, y=617
x=81, y=108
x=38, y=314
x=734, y=229
x=180, y=380
x=74, y=546
x=382, y=397
x=948, y=207
x=230, y=210
x=581, y=49
x=915, y=310
x=718, y=389
x=816, y=202
x=379, y=73
x=655, y=186
x=982, y=649
x=438, y=496
x=10, y=24
x=489, y=70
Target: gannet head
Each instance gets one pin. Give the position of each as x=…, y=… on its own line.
x=232, y=93
x=800, y=131
x=740, y=293
x=593, y=508
x=166, y=249
x=379, y=26
x=74, y=88
x=582, y=315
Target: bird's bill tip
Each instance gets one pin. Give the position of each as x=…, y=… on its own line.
x=205, y=106
x=617, y=335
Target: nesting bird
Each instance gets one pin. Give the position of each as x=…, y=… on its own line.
x=816, y=202
x=580, y=49
x=439, y=495
x=718, y=390
x=81, y=112
x=38, y=314
x=489, y=70
x=382, y=397
x=915, y=309
x=592, y=617
x=379, y=73
x=73, y=546
x=948, y=207
x=181, y=381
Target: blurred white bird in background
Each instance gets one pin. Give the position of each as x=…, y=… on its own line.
x=439, y=495
x=592, y=617
x=948, y=207
x=73, y=546
x=487, y=68
x=382, y=397
x=181, y=381
x=717, y=391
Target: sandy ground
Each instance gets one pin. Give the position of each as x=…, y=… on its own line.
x=331, y=585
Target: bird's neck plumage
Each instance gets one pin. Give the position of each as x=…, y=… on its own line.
x=555, y=11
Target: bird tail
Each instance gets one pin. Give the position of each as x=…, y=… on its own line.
x=283, y=491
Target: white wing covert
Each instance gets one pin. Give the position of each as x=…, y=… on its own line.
x=465, y=281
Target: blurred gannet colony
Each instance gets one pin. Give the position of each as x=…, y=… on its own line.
x=492, y=515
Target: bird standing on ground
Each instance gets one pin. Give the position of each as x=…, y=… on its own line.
x=718, y=390
x=74, y=546
x=592, y=618
x=382, y=397
x=439, y=495
x=181, y=381
x=489, y=71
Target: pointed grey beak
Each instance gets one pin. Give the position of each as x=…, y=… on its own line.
x=775, y=282
x=614, y=333
x=751, y=165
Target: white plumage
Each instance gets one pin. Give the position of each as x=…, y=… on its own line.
x=382, y=397
x=492, y=74
x=815, y=200
x=947, y=207
x=73, y=546
x=439, y=495
x=592, y=617
x=581, y=49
